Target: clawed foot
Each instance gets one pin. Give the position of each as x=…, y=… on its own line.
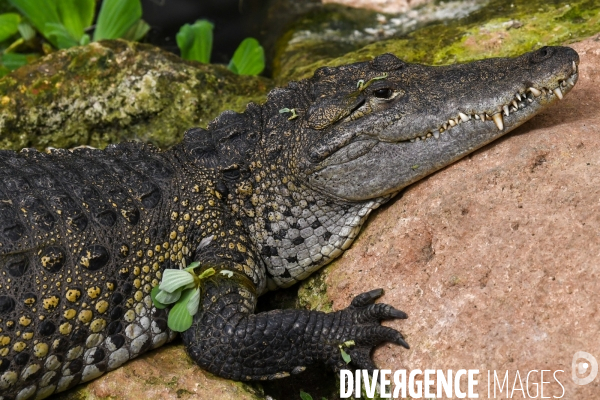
x=365, y=331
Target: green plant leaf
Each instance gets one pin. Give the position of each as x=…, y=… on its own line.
x=39, y=13
x=305, y=396
x=206, y=273
x=116, y=17
x=174, y=279
x=27, y=32
x=180, y=318
x=345, y=356
x=194, y=302
x=13, y=61
x=192, y=266
x=9, y=25
x=195, y=41
x=168, y=298
x=153, y=294
x=137, y=31
x=76, y=15
x=85, y=39
x=59, y=36
x=248, y=59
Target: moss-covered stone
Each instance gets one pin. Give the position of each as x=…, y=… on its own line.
x=112, y=91
x=496, y=28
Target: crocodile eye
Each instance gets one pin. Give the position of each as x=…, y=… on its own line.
x=384, y=93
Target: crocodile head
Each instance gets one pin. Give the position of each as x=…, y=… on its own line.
x=378, y=126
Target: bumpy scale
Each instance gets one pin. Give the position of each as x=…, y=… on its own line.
x=85, y=234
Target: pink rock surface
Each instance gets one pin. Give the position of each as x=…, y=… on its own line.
x=496, y=258
x=387, y=6
x=164, y=374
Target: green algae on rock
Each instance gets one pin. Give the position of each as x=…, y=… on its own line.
x=498, y=29
x=111, y=91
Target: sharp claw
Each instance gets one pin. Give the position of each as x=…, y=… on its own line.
x=402, y=343
x=367, y=298
x=398, y=314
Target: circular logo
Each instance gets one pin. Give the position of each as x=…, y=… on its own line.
x=584, y=368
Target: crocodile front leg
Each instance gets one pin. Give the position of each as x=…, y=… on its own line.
x=228, y=340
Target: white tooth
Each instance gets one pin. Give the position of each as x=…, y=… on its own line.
x=487, y=117
x=482, y=117
x=477, y=116
x=456, y=120
x=513, y=109
x=464, y=117
x=442, y=130
x=570, y=81
x=445, y=125
x=529, y=100
x=506, y=112
x=518, y=96
x=535, y=92
x=558, y=93
x=436, y=134
x=514, y=103
x=451, y=122
x=574, y=67
x=429, y=135
x=498, y=121
x=417, y=139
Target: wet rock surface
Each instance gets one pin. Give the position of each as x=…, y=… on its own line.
x=496, y=257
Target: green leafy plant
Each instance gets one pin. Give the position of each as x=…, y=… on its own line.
x=182, y=287
x=195, y=43
x=64, y=22
x=346, y=356
x=306, y=396
x=9, y=25
x=248, y=59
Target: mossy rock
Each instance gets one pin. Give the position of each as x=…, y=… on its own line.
x=489, y=29
x=112, y=91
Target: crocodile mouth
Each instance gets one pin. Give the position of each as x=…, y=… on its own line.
x=517, y=106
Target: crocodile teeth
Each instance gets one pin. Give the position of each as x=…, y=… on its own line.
x=535, y=91
x=482, y=117
x=477, y=116
x=558, y=93
x=514, y=103
x=451, y=122
x=498, y=121
x=436, y=134
x=570, y=81
x=464, y=117
x=518, y=96
x=574, y=67
x=506, y=112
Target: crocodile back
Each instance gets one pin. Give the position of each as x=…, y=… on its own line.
x=72, y=278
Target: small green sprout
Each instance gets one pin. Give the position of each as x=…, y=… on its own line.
x=416, y=166
x=286, y=110
x=361, y=85
x=182, y=287
x=346, y=356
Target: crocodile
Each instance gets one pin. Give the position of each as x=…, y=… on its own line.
x=269, y=195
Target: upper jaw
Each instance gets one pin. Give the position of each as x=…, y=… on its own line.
x=518, y=107
x=422, y=119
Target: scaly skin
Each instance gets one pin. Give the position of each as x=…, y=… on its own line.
x=85, y=234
